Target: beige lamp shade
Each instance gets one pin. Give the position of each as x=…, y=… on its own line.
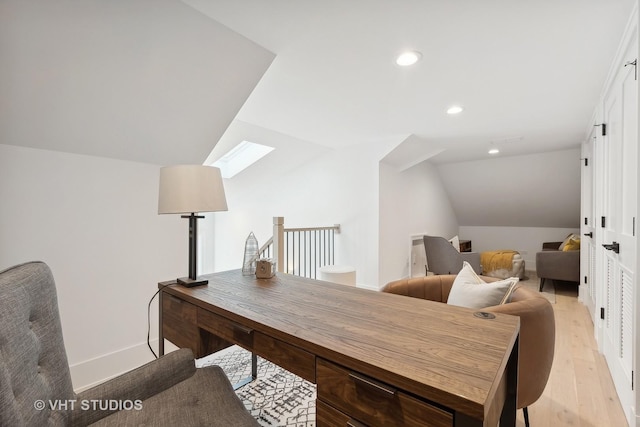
x=191, y=188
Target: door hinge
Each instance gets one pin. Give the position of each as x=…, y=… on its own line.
x=603, y=222
x=634, y=227
x=604, y=128
x=586, y=221
x=585, y=280
x=635, y=67
x=602, y=313
x=586, y=162
x=632, y=378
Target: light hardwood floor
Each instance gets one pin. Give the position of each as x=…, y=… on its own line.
x=580, y=391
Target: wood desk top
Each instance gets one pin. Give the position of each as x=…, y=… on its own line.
x=436, y=351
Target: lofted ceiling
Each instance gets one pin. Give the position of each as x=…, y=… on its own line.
x=527, y=73
x=160, y=81
x=151, y=81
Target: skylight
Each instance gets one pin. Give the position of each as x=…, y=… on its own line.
x=241, y=157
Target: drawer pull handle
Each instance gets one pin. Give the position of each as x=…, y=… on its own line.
x=242, y=329
x=373, y=384
x=174, y=299
x=354, y=423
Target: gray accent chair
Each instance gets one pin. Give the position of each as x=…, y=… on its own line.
x=554, y=264
x=34, y=371
x=443, y=258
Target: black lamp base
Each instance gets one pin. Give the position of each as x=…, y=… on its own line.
x=192, y=280
x=188, y=282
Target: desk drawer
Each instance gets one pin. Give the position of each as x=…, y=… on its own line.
x=328, y=416
x=373, y=402
x=226, y=329
x=179, y=322
x=291, y=358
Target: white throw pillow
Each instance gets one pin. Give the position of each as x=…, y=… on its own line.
x=471, y=291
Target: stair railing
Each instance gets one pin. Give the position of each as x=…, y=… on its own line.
x=300, y=251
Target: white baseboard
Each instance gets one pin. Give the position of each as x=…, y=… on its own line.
x=94, y=371
x=370, y=287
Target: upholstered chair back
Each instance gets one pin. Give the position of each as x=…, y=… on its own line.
x=33, y=361
x=537, y=327
x=537, y=341
x=443, y=258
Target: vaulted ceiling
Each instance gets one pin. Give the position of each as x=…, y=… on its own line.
x=160, y=80
x=527, y=73
x=163, y=81
x=151, y=81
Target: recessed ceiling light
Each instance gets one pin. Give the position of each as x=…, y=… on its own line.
x=494, y=151
x=455, y=109
x=408, y=58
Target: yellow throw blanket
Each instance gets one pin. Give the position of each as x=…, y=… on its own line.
x=496, y=260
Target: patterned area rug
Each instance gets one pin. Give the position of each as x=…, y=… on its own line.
x=276, y=398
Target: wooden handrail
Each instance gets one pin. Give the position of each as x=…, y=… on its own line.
x=278, y=242
x=264, y=247
x=335, y=227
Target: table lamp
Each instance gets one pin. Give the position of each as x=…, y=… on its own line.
x=190, y=189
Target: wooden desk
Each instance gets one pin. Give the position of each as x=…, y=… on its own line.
x=378, y=359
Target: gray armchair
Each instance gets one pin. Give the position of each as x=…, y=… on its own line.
x=554, y=264
x=443, y=258
x=35, y=377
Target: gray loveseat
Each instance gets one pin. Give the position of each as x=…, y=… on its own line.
x=554, y=264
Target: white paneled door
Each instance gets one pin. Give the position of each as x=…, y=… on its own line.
x=616, y=153
x=588, y=287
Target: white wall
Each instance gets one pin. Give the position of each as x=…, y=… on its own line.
x=342, y=187
x=411, y=202
x=516, y=202
x=94, y=221
x=377, y=207
x=526, y=240
x=534, y=190
x=333, y=187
